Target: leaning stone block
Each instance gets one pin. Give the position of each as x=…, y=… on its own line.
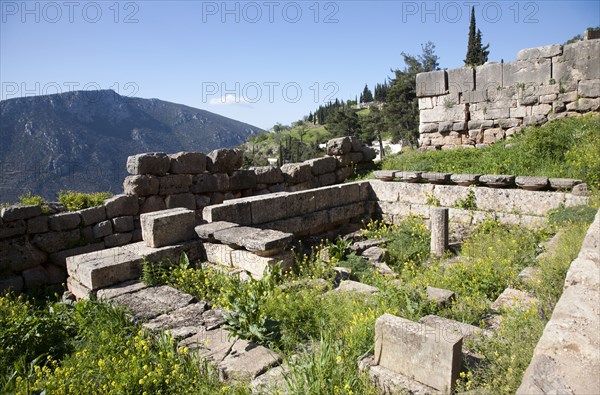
x=166, y=227
x=103, y=268
x=156, y=163
x=418, y=351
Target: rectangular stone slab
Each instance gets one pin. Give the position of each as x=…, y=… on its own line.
x=152, y=302
x=104, y=268
x=254, y=239
x=418, y=351
x=162, y=228
x=207, y=231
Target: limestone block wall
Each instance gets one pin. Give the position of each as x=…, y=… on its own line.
x=473, y=107
x=34, y=245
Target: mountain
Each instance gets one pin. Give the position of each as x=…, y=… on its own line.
x=80, y=140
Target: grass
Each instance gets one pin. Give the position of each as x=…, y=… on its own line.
x=567, y=148
x=320, y=335
x=72, y=201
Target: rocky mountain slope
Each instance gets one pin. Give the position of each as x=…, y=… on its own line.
x=80, y=140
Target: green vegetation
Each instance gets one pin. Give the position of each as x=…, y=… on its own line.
x=73, y=201
x=70, y=349
x=477, y=53
x=564, y=148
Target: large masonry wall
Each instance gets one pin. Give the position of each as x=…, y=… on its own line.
x=473, y=107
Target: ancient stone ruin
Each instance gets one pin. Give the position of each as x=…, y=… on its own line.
x=474, y=107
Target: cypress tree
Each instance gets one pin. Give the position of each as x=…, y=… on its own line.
x=472, y=57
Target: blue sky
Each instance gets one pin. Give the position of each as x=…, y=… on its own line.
x=259, y=62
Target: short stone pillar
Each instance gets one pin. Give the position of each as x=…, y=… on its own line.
x=439, y=231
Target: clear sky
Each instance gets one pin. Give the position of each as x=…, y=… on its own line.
x=258, y=62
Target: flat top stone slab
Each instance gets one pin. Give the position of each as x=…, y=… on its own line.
x=152, y=302
x=439, y=295
x=254, y=239
x=207, y=231
x=408, y=176
x=435, y=178
x=121, y=289
x=190, y=315
x=564, y=183
x=104, y=268
x=465, y=179
x=385, y=175
x=497, y=180
x=531, y=183
x=451, y=330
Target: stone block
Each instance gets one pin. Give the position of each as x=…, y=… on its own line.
x=497, y=180
x=141, y=185
x=187, y=163
x=320, y=166
x=102, y=229
x=442, y=297
x=15, y=213
x=152, y=203
x=257, y=265
x=104, y=268
x=384, y=175
x=425, y=128
x=451, y=330
x=343, y=173
x=269, y=208
x=488, y=75
x=247, y=360
x=347, y=212
x=242, y=179
x=268, y=174
x=461, y=80
x=296, y=173
x=37, y=225
x=589, y=88
x=349, y=159
x=219, y=254
x=254, y=239
x=584, y=105
x=238, y=211
x=446, y=113
x=156, y=163
x=167, y=227
x=563, y=184
x=547, y=51
x=355, y=287
x=123, y=224
x=121, y=205
x=186, y=319
x=172, y=184
x=332, y=196
x=170, y=254
x=60, y=258
x=418, y=351
x=529, y=183
x=339, y=146
x=206, y=182
x=527, y=72
x=435, y=178
x=152, y=302
x=92, y=215
x=465, y=180
x=536, y=203
x=574, y=66
x=126, y=287
x=492, y=199
x=327, y=179
x=55, y=241
x=224, y=160
x=79, y=290
x=433, y=83
x=512, y=298
x=64, y=221
x=211, y=345
x=207, y=231
x=117, y=239
x=19, y=254
x=182, y=200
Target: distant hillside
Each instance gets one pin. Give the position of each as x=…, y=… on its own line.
x=80, y=140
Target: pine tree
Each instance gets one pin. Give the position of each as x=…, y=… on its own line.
x=366, y=96
x=477, y=53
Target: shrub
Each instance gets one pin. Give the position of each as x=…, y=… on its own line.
x=35, y=200
x=576, y=214
x=76, y=200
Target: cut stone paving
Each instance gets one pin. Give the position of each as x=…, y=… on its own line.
x=148, y=303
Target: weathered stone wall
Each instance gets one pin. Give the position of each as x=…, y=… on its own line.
x=473, y=107
x=568, y=353
x=34, y=246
